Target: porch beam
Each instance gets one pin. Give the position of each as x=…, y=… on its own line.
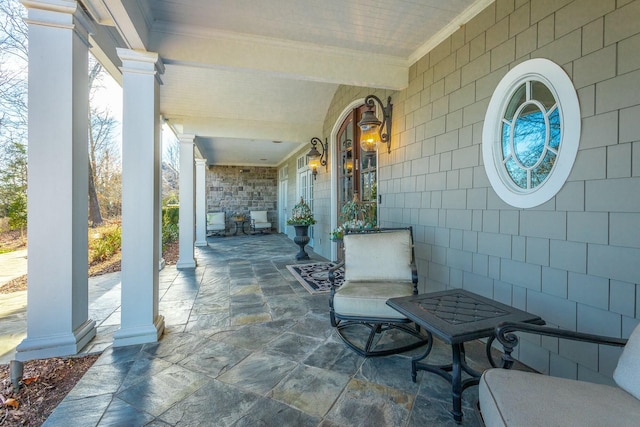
x=301, y=61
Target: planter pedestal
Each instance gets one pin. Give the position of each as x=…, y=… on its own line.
x=301, y=239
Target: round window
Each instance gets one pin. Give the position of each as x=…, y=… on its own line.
x=531, y=133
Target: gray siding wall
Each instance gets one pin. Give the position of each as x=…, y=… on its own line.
x=574, y=260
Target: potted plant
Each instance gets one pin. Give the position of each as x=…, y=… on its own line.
x=301, y=219
x=238, y=216
x=355, y=215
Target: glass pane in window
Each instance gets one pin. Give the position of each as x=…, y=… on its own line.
x=517, y=174
x=518, y=98
x=541, y=93
x=540, y=173
x=554, y=129
x=506, y=143
x=368, y=186
x=369, y=161
x=346, y=142
x=529, y=135
x=347, y=162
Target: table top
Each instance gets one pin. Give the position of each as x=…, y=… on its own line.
x=456, y=315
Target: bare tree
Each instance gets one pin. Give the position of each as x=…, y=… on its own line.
x=104, y=168
x=171, y=170
x=104, y=165
x=13, y=106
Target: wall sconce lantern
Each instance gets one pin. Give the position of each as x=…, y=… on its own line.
x=371, y=127
x=315, y=159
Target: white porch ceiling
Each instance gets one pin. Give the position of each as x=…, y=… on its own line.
x=240, y=74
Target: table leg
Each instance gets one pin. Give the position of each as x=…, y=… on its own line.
x=456, y=381
x=452, y=373
x=415, y=360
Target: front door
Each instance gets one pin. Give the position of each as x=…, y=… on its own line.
x=357, y=173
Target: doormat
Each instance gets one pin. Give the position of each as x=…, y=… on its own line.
x=315, y=277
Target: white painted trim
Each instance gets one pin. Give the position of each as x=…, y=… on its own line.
x=560, y=84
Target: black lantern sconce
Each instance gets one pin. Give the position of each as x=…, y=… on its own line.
x=371, y=127
x=315, y=159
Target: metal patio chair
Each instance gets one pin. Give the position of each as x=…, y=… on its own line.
x=508, y=397
x=378, y=264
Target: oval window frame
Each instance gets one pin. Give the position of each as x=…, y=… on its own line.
x=561, y=86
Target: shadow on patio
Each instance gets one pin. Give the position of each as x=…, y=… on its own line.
x=246, y=344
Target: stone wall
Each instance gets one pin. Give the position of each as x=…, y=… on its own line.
x=240, y=189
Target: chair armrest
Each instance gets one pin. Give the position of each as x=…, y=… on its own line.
x=414, y=277
x=332, y=276
x=509, y=340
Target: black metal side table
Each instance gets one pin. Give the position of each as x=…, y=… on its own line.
x=239, y=224
x=457, y=316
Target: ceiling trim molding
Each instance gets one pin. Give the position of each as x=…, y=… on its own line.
x=449, y=29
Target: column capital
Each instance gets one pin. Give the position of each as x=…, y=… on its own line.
x=201, y=162
x=140, y=62
x=60, y=14
x=186, y=138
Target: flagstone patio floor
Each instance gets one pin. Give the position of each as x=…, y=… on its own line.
x=246, y=345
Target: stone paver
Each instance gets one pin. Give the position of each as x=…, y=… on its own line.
x=236, y=353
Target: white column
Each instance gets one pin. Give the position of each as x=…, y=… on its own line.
x=186, y=258
x=57, y=297
x=161, y=261
x=140, y=320
x=201, y=203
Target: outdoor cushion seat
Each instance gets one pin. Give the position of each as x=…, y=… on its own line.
x=517, y=398
x=259, y=221
x=369, y=299
x=378, y=265
x=216, y=223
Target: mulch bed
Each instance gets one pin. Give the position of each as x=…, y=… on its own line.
x=45, y=383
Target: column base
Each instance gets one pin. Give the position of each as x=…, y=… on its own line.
x=139, y=334
x=201, y=242
x=180, y=265
x=56, y=345
x=161, y=264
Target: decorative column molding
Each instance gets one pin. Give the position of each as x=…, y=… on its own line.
x=186, y=257
x=140, y=319
x=201, y=203
x=58, y=321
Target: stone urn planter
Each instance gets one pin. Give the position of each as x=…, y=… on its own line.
x=301, y=219
x=301, y=239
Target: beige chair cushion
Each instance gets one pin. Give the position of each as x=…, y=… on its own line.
x=215, y=221
x=378, y=256
x=516, y=398
x=627, y=373
x=369, y=299
x=259, y=216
